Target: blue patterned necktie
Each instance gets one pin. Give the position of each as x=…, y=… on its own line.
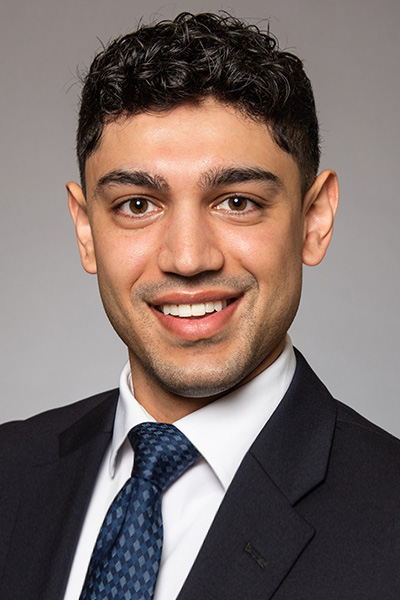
x=126, y=557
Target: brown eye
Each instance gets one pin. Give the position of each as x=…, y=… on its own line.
x=241, y=205
x=237, y=203
x=138, y=206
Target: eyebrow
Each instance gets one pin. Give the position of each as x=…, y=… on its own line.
x=213, y=178
x=232, y=175
x=138, y=178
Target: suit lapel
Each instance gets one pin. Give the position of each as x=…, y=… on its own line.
x=258, y=534
x=54, y=498
x=254, y=541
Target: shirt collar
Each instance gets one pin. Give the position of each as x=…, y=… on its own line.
x=129, y=414
x=223, y=430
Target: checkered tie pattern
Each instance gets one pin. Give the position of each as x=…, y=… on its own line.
x=126, y=557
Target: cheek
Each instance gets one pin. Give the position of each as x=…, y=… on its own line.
x=266, y=253
x=123, y=258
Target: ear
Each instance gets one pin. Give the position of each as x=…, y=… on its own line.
x=78, y=210
x=320, y=205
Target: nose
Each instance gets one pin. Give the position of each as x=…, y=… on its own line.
x=190, y=245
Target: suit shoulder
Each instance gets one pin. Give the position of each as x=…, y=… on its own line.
x=348, y=417
x=351, y=427
x=366, y=443
x=19, y=437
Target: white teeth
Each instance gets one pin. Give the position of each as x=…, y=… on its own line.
x=218, y=305
x=184, y=310
x=198, y=310
x=209, y=307
x=193, y=310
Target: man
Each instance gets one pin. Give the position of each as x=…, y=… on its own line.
x=199, y=201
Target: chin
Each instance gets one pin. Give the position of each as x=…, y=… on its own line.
x=193, y=387
x=204, y=383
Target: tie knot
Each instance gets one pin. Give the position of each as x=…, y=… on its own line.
x=162, y=453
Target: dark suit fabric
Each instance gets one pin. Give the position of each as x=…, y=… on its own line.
x=312, y=513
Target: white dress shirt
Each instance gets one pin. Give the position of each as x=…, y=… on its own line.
x=222, y=432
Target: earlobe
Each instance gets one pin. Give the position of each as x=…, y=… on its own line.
x=320, y=205
x=77, y=208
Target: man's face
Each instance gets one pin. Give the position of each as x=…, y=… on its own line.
x=196, y=220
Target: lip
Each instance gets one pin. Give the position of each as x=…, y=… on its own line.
x=190, y=297
x=196, y=328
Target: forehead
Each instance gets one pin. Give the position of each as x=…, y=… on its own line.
x=186, y=141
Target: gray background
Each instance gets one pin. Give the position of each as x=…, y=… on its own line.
x=56, y=344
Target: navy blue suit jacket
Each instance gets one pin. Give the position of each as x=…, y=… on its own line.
x=312, y=513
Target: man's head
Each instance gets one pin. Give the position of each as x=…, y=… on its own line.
x=194, y=216
x=194, y=57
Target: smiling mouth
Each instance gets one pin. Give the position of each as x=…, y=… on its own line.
x=194, y=310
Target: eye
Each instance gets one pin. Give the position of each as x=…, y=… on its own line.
x=237, y=203
x=137, y=207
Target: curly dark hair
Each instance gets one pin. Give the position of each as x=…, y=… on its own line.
x=193, y=57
